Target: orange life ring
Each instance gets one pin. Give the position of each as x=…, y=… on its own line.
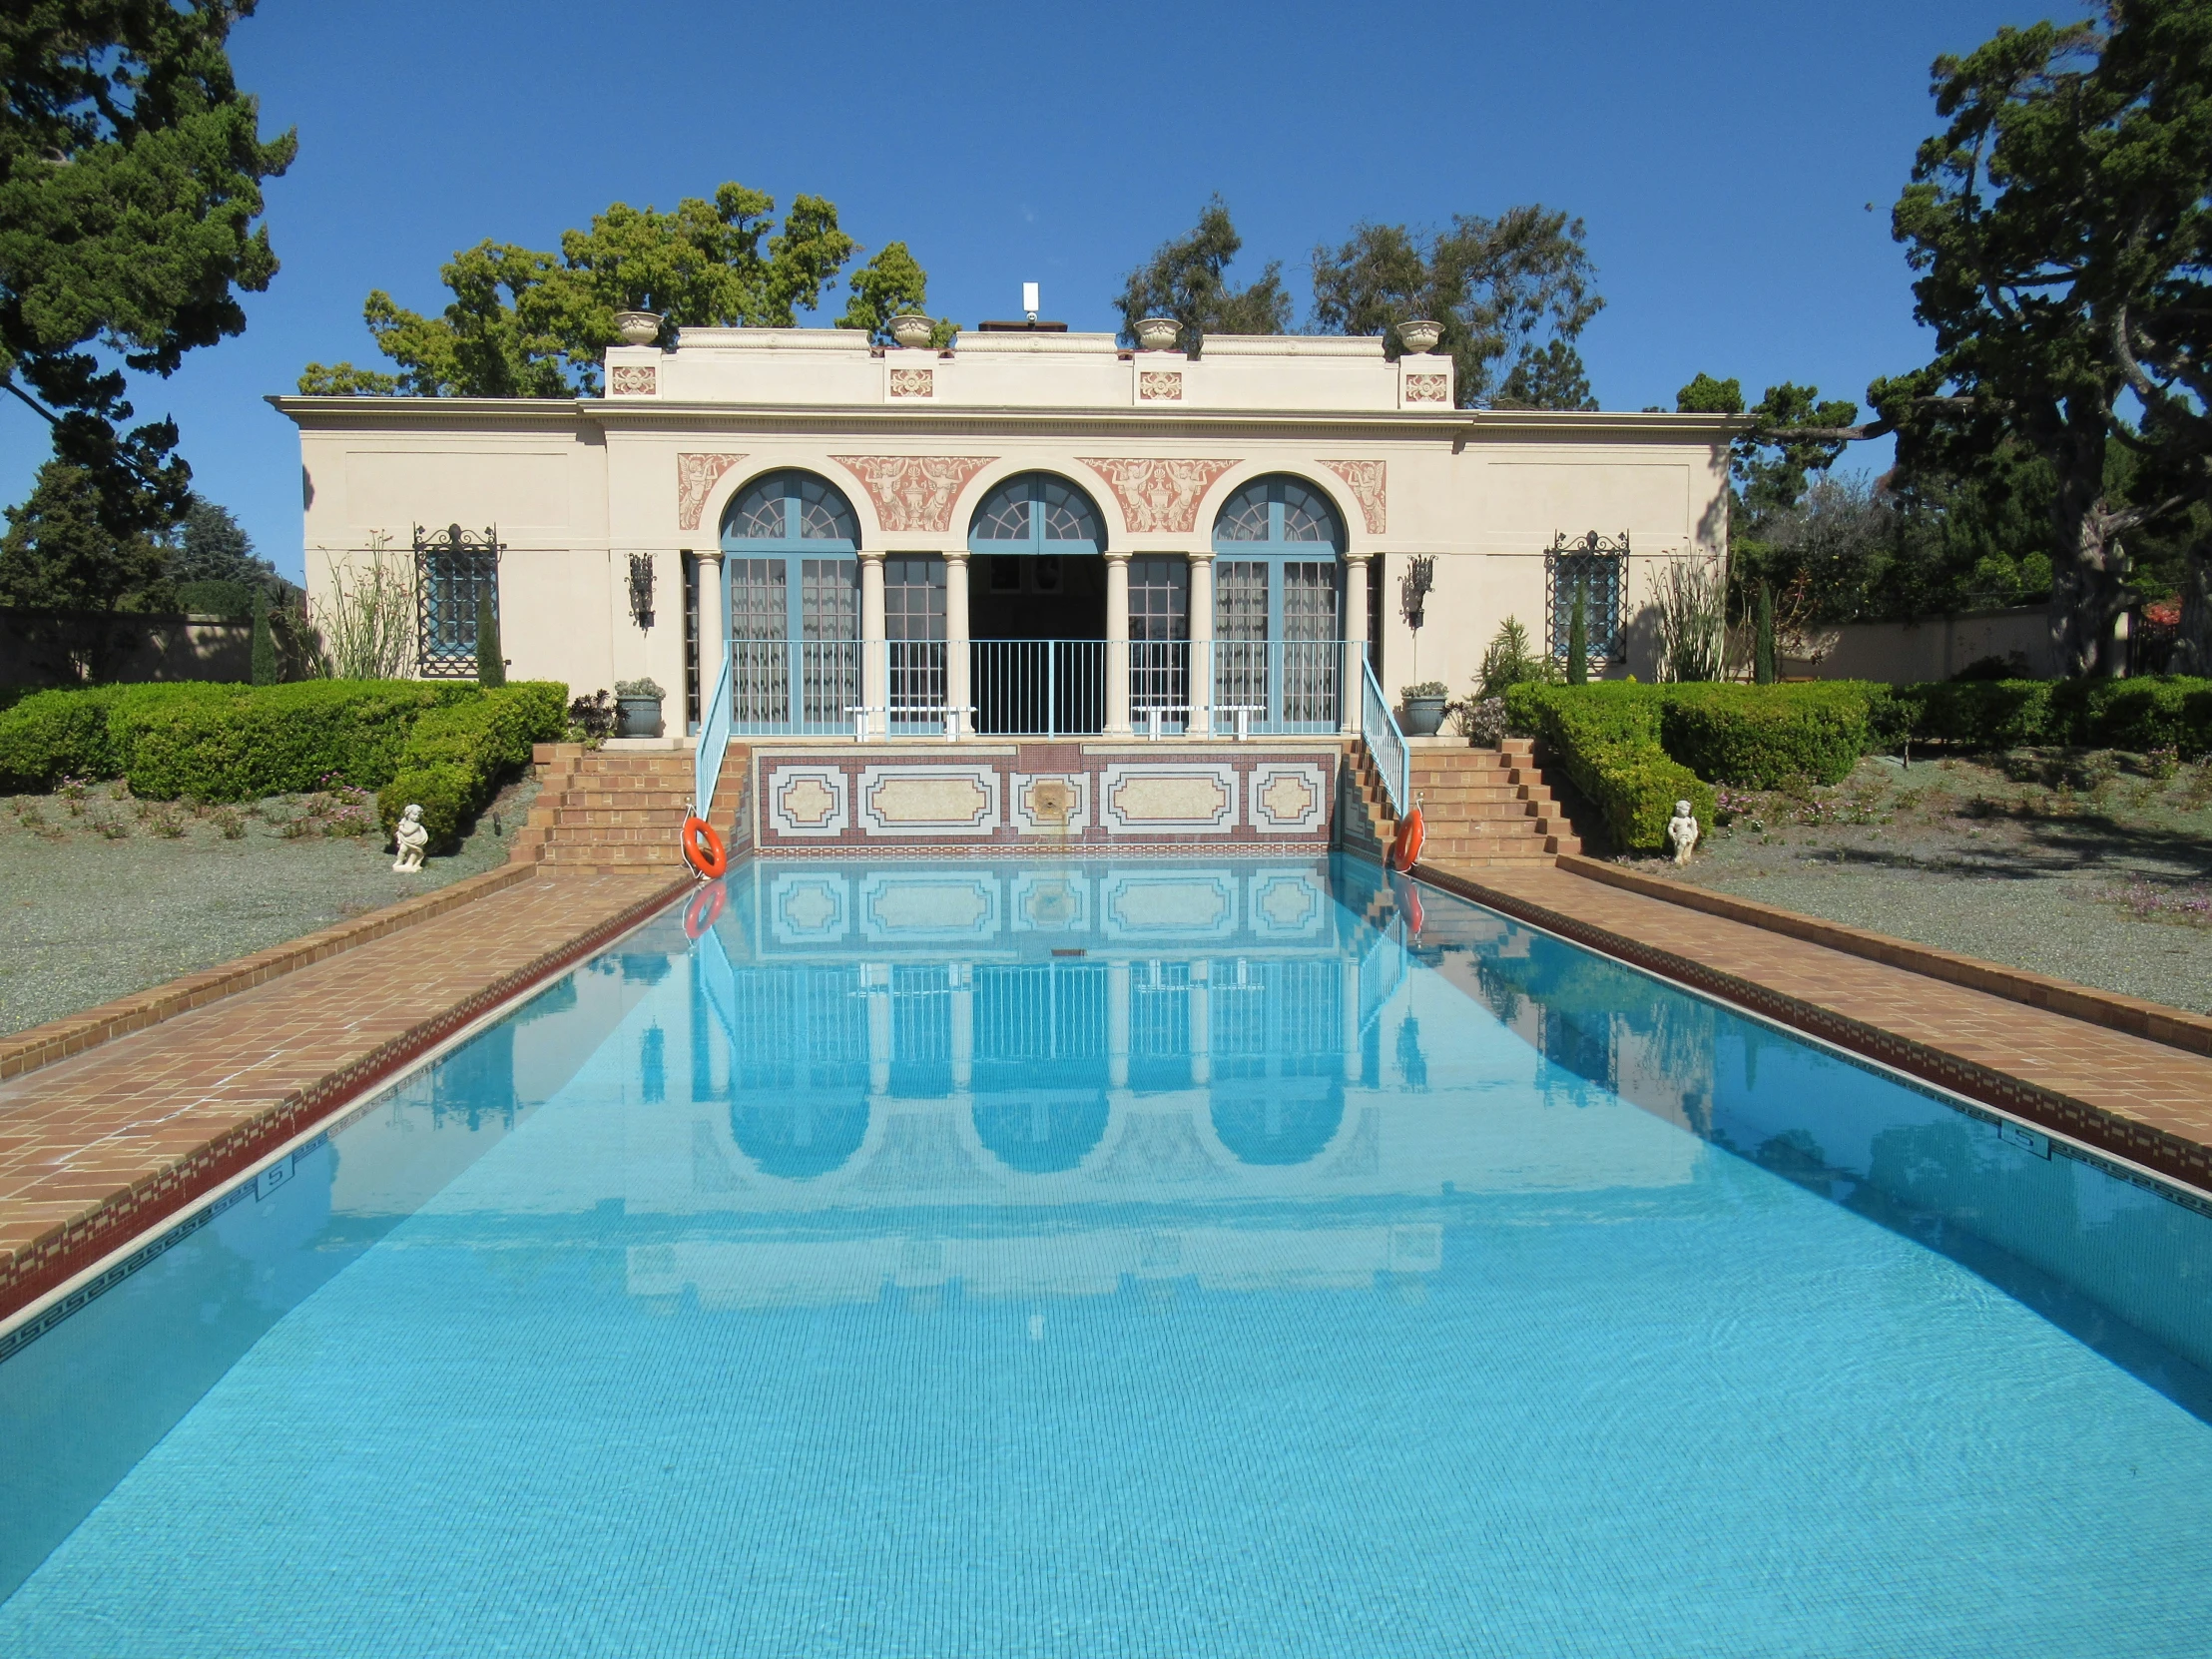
x=704, y=911
x=1411, y=834
x=703, y=848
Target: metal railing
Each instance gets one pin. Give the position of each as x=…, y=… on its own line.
x=1379, y=730
x=713, y=739
x=1027, y=688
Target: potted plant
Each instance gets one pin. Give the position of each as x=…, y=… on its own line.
x=638, y=708
x=1424, y=707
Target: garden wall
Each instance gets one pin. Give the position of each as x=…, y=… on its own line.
x=46, y=648
x=1914, y=653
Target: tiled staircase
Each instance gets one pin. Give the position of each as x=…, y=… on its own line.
x=1480, y=805
x=605, y=812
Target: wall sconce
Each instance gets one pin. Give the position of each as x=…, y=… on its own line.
x=641, y=588
x=1412, y=589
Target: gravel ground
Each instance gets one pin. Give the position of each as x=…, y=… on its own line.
x=2077, y=864
x=88, y=914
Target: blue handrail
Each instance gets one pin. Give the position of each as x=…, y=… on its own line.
x=1379, y=730
x=713, y=739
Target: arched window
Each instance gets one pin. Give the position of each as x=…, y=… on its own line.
x=1277, y=543
x=792, y=573
x=1035, y=512
x=785, y=507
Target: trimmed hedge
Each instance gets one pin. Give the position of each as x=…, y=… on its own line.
x=1608, y=739
x=241, y=742
x=1758, y=735
x=2156, y=712
x=455, y=756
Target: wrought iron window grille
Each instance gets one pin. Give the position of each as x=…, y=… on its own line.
x=641, y=588
x=456, y=575
x=1597, y=566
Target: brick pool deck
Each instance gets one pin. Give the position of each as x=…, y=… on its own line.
x=178, y=1095
x=101, y=1145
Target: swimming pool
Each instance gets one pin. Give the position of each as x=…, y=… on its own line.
x=1143, y=1258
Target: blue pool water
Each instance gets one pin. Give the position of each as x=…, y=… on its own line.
x=1162, y=1259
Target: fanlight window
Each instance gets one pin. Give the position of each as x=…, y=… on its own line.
x=1279, y=510
x=791, y=507
x=1036, y=512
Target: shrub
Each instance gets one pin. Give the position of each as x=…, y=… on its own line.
x=1606, y=738
x=53, y=735
x=232, y=601
x=1758, y=736
x=2140, y=716
x=273, y=740
x=457, y=756
x=1984, y=714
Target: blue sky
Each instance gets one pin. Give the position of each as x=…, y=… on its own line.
x=1723, y=157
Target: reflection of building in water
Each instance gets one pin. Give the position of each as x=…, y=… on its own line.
x=957, y=1057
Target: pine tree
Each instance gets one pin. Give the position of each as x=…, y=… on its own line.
x=1578, y=641
x=491, y=668
x=1761, y=648
x=264, y=642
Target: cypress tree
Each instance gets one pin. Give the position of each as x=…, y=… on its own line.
x=264, y=642
x=491, y=668
x=1578, y=639
x=1762, y=645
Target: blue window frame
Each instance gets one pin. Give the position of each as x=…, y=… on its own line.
x=1277, y=603
x=1036, y=512
x=792, y=591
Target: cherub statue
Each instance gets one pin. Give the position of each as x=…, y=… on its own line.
x=1682, y=830
x=411, y=839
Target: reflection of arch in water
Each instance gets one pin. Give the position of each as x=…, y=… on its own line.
x=798, y=1134
x=1278, y=1120
x=1042, y=1131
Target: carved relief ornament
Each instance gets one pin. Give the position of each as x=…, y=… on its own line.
x=914, y=492
x=632, y=380
x=1369, y=483
x=1156, y=493
x=913, y=382
x=1427, y=388
x=696, y=477
x=1160, y=386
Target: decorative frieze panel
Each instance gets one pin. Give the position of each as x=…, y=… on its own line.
x=696, y=477
x=913, y=382
x=1159, y=385
x=633, y=380
x=1429, y=388
x=1157, y=495
x=914, y=492
x=1369, y=482
x=1028, y=798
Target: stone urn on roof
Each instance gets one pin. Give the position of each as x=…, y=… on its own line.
x=638, y=328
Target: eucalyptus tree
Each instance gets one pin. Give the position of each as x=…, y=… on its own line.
x=1187, y=278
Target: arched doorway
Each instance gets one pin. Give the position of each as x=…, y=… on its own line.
x=1037, y=608
x=792, y=589
x=1277, y=547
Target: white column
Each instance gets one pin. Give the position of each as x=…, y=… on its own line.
x=1117, y=646
x=963, y=1026
x=956, y=637
x=875, y=689
x=1202, y=644
x=714, y=633
x=1117, y=1025
x=1355, y=637
x=1202, y=1024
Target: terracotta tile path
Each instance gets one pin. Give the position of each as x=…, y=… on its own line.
x=2123, y=1095
x=95, y=1148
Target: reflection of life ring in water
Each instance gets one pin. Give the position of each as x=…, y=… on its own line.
x=1411, y=834
x=703, y=848
x=704, y=911
x=1409, y=904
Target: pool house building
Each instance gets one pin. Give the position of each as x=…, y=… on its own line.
x=1036, y=537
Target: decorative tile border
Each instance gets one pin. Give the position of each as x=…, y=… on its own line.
x=1063, y=795
x=2144, y=1144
